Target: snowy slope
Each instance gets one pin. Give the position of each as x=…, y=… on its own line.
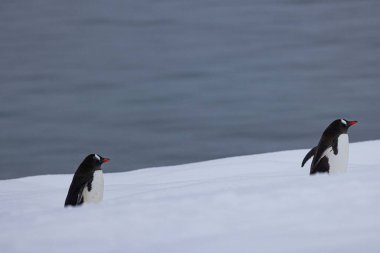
x=258, y=203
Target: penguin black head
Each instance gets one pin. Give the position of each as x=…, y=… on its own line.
x=342, y=125
x=93, y=162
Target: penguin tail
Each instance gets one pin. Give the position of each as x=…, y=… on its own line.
x=309, y=155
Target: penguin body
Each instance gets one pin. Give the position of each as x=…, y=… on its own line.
x=87, y=185
x=338, y=156
x=331, y=154
x=93, y=193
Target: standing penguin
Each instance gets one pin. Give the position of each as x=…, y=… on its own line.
x=331, y=154
x=88, y=183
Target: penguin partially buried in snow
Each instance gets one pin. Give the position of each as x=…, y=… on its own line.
x=331, y=154
x=88, y=183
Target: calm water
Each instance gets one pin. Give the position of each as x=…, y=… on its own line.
x=151, y=83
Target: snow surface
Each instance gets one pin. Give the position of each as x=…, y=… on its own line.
x=257, y=203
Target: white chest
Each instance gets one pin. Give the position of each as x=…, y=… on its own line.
x=339, y=162
x=96, y=193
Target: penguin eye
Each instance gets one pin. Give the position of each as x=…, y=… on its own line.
x=343, y=122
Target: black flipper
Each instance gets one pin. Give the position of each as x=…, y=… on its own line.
x=309, y=155
x=335, y=146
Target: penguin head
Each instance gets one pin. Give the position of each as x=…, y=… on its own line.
x=94, y=162
x=343, y=125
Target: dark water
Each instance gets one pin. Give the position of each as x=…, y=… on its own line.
x=153, y=83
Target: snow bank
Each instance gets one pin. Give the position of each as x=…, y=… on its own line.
x=258, y=203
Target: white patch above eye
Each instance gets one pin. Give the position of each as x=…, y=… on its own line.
x=97, y=157
x=343, y=122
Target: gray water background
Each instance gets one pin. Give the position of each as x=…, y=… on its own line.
x=153, y=83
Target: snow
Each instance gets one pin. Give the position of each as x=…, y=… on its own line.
x=257, y=203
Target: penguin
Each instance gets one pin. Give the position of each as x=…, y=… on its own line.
x=88, y=183
x=331, y=154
